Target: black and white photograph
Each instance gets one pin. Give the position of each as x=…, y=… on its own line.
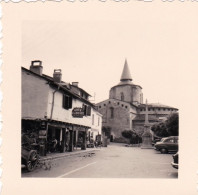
x=92, y=119
x=103, y=97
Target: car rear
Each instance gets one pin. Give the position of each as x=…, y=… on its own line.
x=175, y=162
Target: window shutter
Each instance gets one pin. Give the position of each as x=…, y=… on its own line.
x=89, y=111
x=64, y=106
x=70, y=102
x=85, y=110
x=67, y=101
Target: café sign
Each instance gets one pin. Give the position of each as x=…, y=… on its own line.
x=78, y=112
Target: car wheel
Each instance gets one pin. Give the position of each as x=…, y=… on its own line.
x=163, y=151
x=33, y=161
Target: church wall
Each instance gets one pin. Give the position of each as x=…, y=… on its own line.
x=132, y=93
x=122, y=117
x=115, y=93
x=136, y=94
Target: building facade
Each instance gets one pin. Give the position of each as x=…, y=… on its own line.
x=56, y=110
x=125, y=110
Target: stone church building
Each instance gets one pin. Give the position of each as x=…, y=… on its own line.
x=125, y=110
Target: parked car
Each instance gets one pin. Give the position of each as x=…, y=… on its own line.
x=155, y=140
x=169, y=144
x=175, y=162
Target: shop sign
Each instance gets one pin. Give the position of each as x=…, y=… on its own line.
x=78, y=112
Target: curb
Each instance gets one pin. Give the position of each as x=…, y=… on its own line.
x=64, y=155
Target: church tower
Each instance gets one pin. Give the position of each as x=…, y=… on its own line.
x=125, y=90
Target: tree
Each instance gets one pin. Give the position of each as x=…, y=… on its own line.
x=160, y=129
x=172, y=124
x=170, y=127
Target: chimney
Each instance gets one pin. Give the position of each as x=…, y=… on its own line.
x=57, y=75
x=75, y=84
x=36, y=67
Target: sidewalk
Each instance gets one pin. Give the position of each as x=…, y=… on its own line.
x=52, y=156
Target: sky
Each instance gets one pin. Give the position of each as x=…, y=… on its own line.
x=93, y=54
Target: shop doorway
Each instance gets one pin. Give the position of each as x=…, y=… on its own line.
x=54, y=139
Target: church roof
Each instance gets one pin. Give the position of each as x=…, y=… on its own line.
x=126, y=78
x=126, y=75
x=156, y=105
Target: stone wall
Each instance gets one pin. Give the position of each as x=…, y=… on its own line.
x=132, y=93
x=122, y=116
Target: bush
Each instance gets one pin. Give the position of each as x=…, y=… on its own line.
x=132, y=136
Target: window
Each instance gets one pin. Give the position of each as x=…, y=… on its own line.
x=99, y=106
x=81, y=93
x=118, y=103
x=87, y=110
x=125, y=106
x=122, y=96
x=109, y=102
x=111, y=112
x=104, y=104
x=67, y=101
x=170, y=140
x=92, y=119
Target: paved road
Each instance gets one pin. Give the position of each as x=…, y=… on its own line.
x=115, y=161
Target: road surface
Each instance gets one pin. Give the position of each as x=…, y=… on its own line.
x=114, y=161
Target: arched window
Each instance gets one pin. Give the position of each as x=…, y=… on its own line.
x=122, y=96
x=112, y=112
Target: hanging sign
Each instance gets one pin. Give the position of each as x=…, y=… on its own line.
x=78, y=112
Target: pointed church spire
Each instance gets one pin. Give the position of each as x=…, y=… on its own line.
x=126, y=75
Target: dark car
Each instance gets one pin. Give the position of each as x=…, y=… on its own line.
x=175, y=162
x=169, y=144
x=155, y=140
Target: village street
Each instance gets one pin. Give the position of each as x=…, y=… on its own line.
x=114, y=161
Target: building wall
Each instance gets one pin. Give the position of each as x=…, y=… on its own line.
x=139, y=126
x=96, y=126
x=35, y=93
x=137, y=95
x=62, y=114
x=96, y=121
x=37, y=97
x=132, y=93
x=122, y=116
